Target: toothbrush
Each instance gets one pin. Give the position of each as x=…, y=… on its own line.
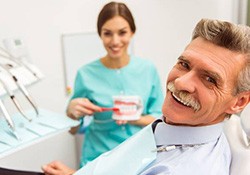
x=110, y=109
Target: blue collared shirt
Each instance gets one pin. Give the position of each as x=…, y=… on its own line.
x=208, y=152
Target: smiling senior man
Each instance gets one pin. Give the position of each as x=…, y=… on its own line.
x=210, y=81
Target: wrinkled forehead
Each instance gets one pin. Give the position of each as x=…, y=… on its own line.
x=210, y=57
x=203, y=49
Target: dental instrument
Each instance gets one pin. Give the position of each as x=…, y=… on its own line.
x=7, y=68
x=20, y=85
x=166, y=148
x=13, y=98
x=8, y=119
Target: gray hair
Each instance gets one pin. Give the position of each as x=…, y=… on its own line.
x=231, y=36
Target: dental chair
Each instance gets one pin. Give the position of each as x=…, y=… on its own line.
x=237, y=131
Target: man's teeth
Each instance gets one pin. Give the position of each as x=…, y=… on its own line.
x=180, y=100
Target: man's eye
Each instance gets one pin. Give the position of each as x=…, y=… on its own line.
x=211, y=80
x=185, y=65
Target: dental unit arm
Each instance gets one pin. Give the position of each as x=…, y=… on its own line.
x=18, y=59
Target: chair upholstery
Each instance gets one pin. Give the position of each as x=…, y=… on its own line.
x=245, y=123
x=237, y=130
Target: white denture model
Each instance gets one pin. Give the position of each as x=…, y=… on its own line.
x=129, y=107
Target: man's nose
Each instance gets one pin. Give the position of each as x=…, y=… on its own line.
x=186, y=82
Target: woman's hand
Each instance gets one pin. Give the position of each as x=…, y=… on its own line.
x=80, y=107
x=57, y=168
x=121, y=122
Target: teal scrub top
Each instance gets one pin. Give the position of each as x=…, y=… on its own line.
x=99, y=83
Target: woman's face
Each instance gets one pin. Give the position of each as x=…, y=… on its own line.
x=116, y=35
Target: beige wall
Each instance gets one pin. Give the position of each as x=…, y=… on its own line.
x=248, y=13
x=41, y=24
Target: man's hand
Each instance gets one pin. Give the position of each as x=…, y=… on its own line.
x=57, y=168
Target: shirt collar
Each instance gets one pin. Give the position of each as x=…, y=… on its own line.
x=166, y=134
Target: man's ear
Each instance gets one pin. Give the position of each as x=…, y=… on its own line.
x=240, y=103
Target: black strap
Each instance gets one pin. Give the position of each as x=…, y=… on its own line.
x=155, y=123
x=5, y=171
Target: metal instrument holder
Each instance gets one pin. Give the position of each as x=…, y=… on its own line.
x=16, y=76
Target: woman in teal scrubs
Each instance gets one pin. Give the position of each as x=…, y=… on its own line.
x=116, y=73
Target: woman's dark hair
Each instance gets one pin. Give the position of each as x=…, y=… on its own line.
x=113, y=9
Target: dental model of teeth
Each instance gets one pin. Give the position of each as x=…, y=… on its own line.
x=130, y=108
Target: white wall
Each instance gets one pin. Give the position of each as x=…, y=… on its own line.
x=164, y=28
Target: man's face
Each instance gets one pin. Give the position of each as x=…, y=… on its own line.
x=200, y=86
